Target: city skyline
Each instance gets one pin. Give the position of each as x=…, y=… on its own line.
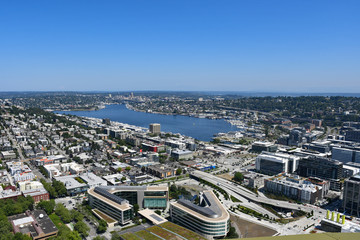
x=255, y=46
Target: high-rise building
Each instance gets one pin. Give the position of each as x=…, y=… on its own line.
x=324, y=168
x=106, y=121
x=353, y=135
x=351, y=196
x=154, y=128
x=346, y=154
x=275, y=163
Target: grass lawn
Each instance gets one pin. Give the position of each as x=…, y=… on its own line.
x=130, y=236
x=107, y=218
x=146, y=235
x=182, y=231
x=316, y=236
x=163, y=233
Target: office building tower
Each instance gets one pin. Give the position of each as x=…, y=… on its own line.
x=154, y=128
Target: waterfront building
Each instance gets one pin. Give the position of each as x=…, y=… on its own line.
x=263, y=146
x=275, y=163
x=154, y=128
x=210, y=218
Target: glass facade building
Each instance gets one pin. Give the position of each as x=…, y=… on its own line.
x=117, y=201
x=121, y=213
x=211, y=221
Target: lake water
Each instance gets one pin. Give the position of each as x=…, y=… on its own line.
x=199, y=128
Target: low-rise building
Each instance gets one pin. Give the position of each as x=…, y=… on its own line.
x=35, y=224
x=72, y=186
x=263, y=146
x=209, y=218
x=161, y=171
x=92, y=180
x=37, y=194
x=182, y=154
x=297, y=188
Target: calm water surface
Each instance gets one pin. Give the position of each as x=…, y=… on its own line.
x=199, y=128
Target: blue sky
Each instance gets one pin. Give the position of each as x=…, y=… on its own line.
x=239, y=45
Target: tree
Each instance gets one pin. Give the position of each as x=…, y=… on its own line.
x=20, y=236
x=82, y=228
x=128, y=168
x=119, y=169
x=239, y=177
x=178, y=171
x=123, y=179
x=59, y=187
x=158, y=212
x=63, y=213
x=74, y=235
x=98, y=238
x=77, y=216
x=102, y=226
x=136, y=207
x=47, y=206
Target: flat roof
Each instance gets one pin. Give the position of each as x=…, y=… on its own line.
x=152, y=216
x=70, y=182
x=91, y=178
x=122, y=207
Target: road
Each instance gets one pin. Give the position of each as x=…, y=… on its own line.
x=235, y=188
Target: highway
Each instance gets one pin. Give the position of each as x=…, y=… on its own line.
x=233, y=188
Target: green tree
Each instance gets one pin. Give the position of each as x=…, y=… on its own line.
x=136, y=208
x=20, y=236
x=128, y=168
x=239, y=177
x=98, y=238
x=47, y=206
x=82, y=228
x=77, y=216
x=63, y=213
x=178, y=171
x=102, y=226
x=59, y=188
x=74, y=235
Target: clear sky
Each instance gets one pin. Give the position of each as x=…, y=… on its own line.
x=224, y=45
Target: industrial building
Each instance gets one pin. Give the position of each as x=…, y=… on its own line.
x=209, y=218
